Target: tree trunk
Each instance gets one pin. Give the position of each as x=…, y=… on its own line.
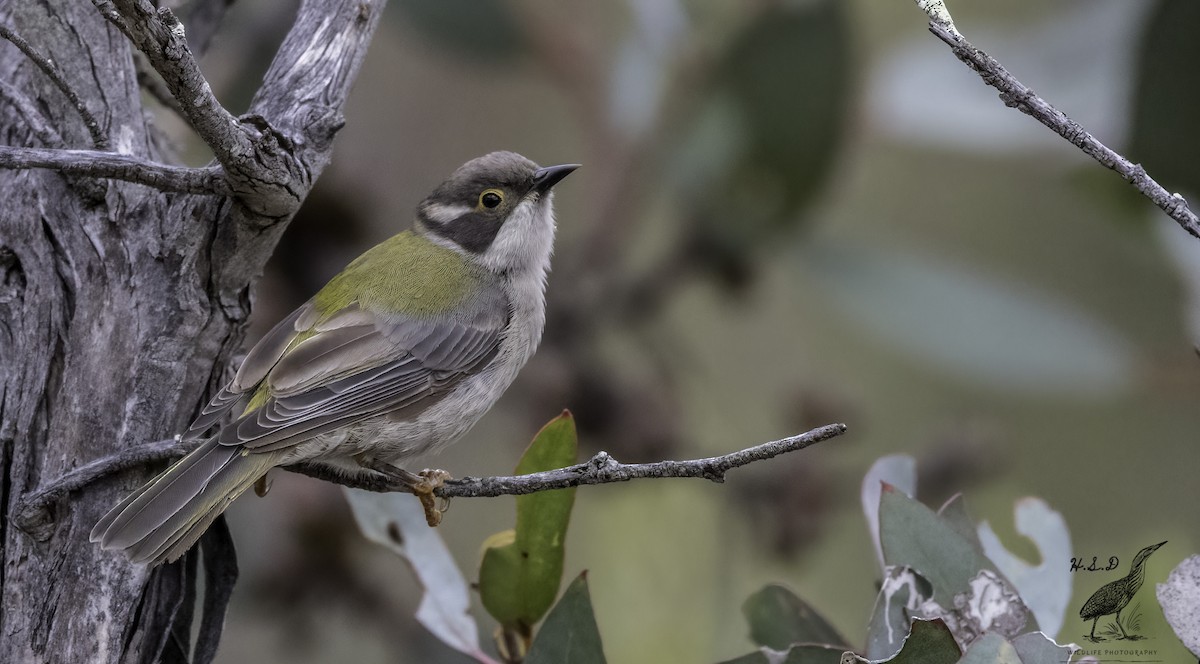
x=121, y=306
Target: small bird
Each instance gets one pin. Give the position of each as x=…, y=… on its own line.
x=399, y=354
x=1114, y=596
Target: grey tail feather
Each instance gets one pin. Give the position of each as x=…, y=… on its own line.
x=160, y=521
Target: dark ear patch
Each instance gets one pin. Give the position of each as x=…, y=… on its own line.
x=473, y=231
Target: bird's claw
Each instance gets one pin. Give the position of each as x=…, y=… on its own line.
x=431, y=480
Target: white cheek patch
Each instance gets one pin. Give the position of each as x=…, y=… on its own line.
x=525, y=240
x=443, y=213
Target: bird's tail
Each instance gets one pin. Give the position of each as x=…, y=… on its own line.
x=161, y=520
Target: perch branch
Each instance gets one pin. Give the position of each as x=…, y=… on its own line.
x=1016, y=95
x=600, y=469
x=99, y=140
x=32, y=509
x=33, y=117
x=207, y=180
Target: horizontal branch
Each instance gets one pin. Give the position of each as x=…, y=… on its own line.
x=1015, y=94
x=600, y=469
x=32, y=510
x=94, y=163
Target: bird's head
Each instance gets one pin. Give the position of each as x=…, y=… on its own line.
x=1145, y=553
x=496, y=210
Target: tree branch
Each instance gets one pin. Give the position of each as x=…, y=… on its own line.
x=38, y=124
x=1016, y=95
x=160, y=36
x=206, y=180
x=600, y=469
x=99, y=140
x=32, y=511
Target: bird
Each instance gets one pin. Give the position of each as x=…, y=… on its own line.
x=1114, y=596
x=399, y=354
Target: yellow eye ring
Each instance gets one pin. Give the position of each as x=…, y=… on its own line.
x=491, y=198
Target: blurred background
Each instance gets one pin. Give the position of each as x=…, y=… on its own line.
x=790, y=213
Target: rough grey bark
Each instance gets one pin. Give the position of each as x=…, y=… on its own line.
x=121, y=303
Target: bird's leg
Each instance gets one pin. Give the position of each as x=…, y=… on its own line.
x=1120, y=626
x=1092, y=636
x=421, y=485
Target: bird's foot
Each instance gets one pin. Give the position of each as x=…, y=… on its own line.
x=422, y=485
x=432, y=479
x=1095, y=639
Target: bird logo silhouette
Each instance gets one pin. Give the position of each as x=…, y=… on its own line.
x=1114, y=596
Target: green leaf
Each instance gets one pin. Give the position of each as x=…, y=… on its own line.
x=992, y=649
x=801, y=654
x=520, y=575
x=930, y=642
x=570, y=635
x=900, y=589
x=954, y=513
x=778, y=619
x=1037, y=648
x=913, y=536
x=1045, y=588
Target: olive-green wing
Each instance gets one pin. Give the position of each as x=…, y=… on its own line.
x=359, y=364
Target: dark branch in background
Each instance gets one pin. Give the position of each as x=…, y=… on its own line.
x=154, y=86
x=99, y=140
x=33, y=117
x=92, y=163
x=1017, y=95
x=32, y=510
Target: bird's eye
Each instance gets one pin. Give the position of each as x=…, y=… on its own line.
x=491, y=198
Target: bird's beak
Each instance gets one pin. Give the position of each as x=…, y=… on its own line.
x=544, y=178
x=1156, y=546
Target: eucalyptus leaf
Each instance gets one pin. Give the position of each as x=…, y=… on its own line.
x=800, y=654
x=779, y=619
x=913, y=536
x=1180, y=600
x=520, y=573
x=1045, y=588
x=570, y=634
x=898, y=470
x=901, y=595
x=1037, y=648
x=991, y=649
x=928, y=642
x=954, y=513
x=397, y=521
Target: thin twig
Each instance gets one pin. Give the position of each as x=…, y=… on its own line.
x=92, y=163
x=1017, y=95
x=600, y=469
x=99, y=140
x=32, y=510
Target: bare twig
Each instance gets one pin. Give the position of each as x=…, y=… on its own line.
x=155, y=87
x=1017, y=95
x=99, y=140
x=600, y=469
x=32, y=510
x=92, y=163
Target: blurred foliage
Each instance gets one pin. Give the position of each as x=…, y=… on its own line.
x=1165, y=134
x=570, y=633
x=482, y=30
x=774, y=134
